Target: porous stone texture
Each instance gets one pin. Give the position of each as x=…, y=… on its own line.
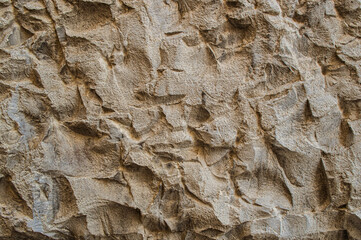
x=180, y=119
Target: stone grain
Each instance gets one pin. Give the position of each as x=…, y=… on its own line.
x=180, y=119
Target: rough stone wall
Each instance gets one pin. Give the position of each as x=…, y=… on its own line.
x=180, y=119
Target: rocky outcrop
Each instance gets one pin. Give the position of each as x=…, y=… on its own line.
x=180, y=119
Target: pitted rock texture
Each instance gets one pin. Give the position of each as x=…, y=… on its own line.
x=180, y=119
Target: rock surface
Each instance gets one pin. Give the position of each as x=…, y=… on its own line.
x=180, y=119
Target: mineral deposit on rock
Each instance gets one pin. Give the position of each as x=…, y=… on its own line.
x=180, y=119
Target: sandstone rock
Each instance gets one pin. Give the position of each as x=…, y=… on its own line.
x=180, y=119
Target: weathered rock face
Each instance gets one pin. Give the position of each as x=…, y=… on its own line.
x=180, y=119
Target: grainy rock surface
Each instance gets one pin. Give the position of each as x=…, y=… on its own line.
x=180, y=119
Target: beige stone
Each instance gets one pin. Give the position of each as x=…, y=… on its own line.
x=180, y=119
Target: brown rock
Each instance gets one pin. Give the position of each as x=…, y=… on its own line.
x=180, y=119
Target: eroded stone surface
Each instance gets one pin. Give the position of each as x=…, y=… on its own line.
x=180, y=119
